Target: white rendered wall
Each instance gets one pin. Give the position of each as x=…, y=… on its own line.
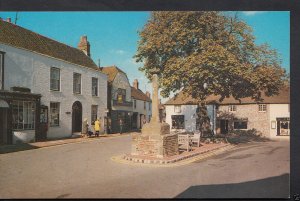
x=189, y=112
x=140, y=110
x=28, y=69
x=278, y=111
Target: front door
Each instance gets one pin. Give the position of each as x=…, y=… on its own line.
x=224, y=126
x=76, y=117
x=3, y=126
x=283, y=127
x=43, y=124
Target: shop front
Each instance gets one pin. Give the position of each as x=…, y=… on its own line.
x=19, y=117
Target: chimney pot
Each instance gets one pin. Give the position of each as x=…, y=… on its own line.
x=136, y=84
x=84, y=45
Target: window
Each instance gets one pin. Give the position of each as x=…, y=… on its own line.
x=177, y=121
x=262, y=107
x=149, y=106
x=134, y=104
x=94, y=86
x=54, y=79
x=76, y=83
x=144, y=105
x=1, y=70
x=240, y=125
x=94, y=113
x=177, y=108
x=121, y=95
x=54, y=114
x=23, y=115
x=232, y=108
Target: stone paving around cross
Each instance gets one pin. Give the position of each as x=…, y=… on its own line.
x=86, y=170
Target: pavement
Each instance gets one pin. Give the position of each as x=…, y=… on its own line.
x=85, y=170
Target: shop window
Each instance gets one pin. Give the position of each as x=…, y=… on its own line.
x=177, y=121
x=76, y=83
x=54, y=79
x=23, y=114
x=240, y=124
x=54, y=114
x=262, y=107
x=94, y=86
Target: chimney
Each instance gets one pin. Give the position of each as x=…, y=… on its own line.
x=136, y=84
x=8, y=19
x=84, y=45
x=148, y=94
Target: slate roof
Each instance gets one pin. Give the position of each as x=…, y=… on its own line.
x=139, y=95
x=282, y=98
x=16, y=36
x=111, y=71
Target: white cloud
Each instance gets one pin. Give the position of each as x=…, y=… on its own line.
x=252, y=13
x=119, y=52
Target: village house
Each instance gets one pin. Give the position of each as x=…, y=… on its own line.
x=119, y=101
x=270, y=117
x=46, y=87
x=141, y=106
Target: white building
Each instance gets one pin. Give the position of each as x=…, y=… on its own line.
x=142, y=110
x=47, y=87
x=270, y=117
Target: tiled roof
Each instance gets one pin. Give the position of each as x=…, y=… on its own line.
x=139, y=95
x=112, y=71
x=282, y=98
x=16, y=36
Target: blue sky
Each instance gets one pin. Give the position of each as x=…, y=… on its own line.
x=114, y=35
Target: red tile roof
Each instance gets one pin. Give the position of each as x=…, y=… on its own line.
x=139, y=95
x=282, y=98
x=16, y=36
x=112, y=71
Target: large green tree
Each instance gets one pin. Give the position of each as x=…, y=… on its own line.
x=204, y=53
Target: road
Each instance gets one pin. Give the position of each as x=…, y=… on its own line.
x=85, y=170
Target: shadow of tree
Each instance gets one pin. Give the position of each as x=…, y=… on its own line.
x=272, y=187
x=245, y=136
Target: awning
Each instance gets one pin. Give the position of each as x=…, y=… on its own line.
x=3, y=104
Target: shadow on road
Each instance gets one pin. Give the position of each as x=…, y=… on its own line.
x=16, y=147
x=272, y=187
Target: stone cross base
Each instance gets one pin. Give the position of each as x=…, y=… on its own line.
x=158, y=146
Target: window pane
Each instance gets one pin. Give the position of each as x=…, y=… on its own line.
x=94, y=86
x=177, y=121
x=240, y=125
x=94, y=112
x=76, y=83
x=54, y=78
x=54, y=114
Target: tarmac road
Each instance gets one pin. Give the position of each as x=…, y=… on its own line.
x=85, y=170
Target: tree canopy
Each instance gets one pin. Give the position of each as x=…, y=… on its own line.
x=204, y=53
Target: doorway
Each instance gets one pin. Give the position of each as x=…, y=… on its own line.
x=224, y=126
x=76, y=117
x=3, y=126
x=283, y=127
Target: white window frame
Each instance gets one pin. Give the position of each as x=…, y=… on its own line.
x=53, y=114
x=58, y=85
x=95, y=88
x=80, y=84
x=232, y=108
x=177, y=108
x=26, y=113
x=262, y=107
